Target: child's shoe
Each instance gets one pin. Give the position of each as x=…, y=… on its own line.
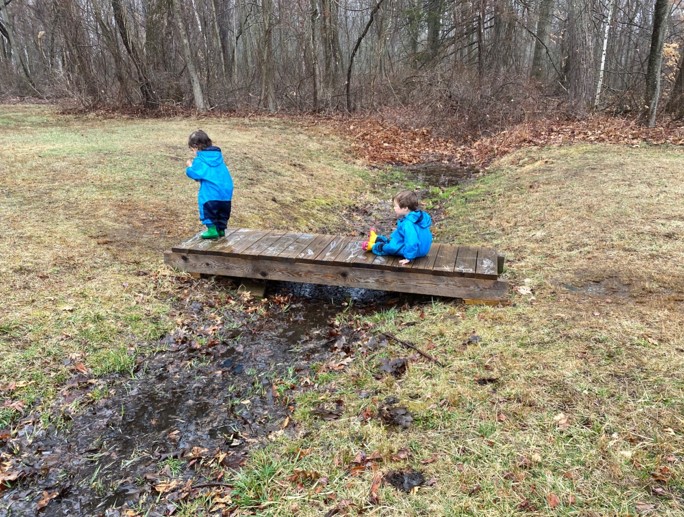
x=211, y=233
x=222, y=233
x=368, y=245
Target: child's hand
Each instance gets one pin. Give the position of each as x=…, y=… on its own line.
x=189, y=163
x=403, y=262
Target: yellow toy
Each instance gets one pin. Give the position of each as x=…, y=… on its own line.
x=368, y=245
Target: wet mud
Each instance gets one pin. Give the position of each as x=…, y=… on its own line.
x=199, y=400
x=219, y=384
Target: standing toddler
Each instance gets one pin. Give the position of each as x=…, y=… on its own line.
x=216, y=184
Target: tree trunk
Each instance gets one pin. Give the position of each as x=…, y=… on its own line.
x=6, y=31
x=314, y=55
x=655, y=60
x=189, y=59
x=267, y=58
x=580, y=67
x=332, y=53
x=602, y=68
x=433, y=15
x=216, y=25
x=150, y=99
x=540, y=48
x=356, y=48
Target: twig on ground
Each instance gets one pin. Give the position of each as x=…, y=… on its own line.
x=412, y=347
x=209, y=485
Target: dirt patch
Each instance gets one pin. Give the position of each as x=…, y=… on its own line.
x=611, y=286
x=440, y=174
x=192, y=408
x=221, y=384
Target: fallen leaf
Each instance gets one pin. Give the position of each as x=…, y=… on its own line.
x=562, y=421
x=80, y=367
x=401, y=454
x=374, y=498
x=644, y=508
x=553, y=500
x=47, y=497
x=167, y=486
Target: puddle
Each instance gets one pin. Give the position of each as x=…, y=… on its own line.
x=608, y=287
x=203, y=396
x=439, y=174
x=203, y=403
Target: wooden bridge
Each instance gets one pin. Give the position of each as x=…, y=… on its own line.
x=462, y=272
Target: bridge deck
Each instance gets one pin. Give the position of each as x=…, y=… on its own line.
x=463, y=272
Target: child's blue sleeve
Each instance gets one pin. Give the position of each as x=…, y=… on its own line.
x=194, y=172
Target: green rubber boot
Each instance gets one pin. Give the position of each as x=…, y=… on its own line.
x=222, y=233
x=211, y=233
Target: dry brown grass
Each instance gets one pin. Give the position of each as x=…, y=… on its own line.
x=570, y=404
x=88, y=205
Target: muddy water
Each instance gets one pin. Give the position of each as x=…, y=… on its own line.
x=214, y=391
x=439, y=174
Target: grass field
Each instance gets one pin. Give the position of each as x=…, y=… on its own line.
x=568, y=401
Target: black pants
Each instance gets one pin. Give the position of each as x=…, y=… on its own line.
x=218, y=212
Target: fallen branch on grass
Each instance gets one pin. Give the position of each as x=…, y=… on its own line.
x=412, y=347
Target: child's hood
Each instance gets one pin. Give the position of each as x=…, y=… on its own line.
x=419, y=218
x=211, y=156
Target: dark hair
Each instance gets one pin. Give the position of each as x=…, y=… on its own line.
x=407, y=199
x=199, y=140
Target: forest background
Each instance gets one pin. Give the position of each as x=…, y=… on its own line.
x=464, y=68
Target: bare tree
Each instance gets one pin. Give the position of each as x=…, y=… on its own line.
x=655, y=60
x=579, y=65
x=540, y=48
x=197, y=93
x=356, y=48
x=267, y=57
x=604, y=52
x=150, y=98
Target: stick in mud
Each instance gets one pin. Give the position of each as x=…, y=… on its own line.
x=412, y=347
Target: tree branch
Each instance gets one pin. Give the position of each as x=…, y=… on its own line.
x=412, y=347
x=356, y=48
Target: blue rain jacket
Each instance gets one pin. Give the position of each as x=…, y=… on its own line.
x=412, y=238
x=216, y=183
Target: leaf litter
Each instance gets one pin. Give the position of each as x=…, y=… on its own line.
x=221, y=383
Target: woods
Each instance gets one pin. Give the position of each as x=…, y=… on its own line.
x=512, y=60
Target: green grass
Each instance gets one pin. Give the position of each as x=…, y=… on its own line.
x=570, y=403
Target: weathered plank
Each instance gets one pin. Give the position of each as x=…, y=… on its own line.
x=262, y=245
x=279, y=246
x=445, y=259
x=330, y=252
x=311, y=251
x=292, y=250
x=427, y=263
x=346, y=275
x=466, y=261
x=486, y=262
x=354, y=253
